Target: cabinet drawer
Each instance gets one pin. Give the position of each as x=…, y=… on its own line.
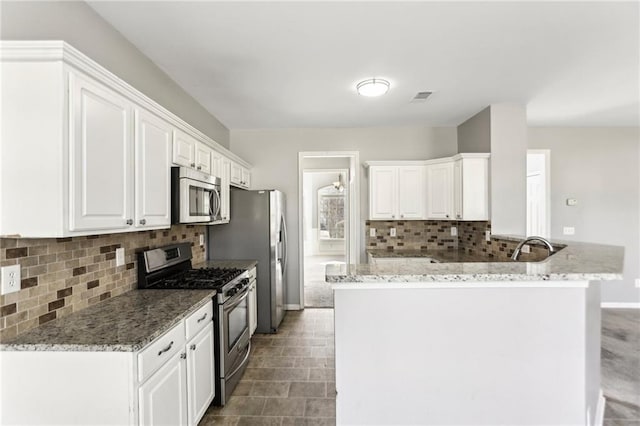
x=160, y=350
x=199, y=319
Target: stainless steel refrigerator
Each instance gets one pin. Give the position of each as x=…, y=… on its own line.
x=257, y=230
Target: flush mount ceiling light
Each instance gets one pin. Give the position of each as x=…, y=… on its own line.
x=373, y=87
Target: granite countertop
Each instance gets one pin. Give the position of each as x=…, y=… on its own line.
x=240, y=264
x=443, y=255
x=125, y=323
x=576, y=262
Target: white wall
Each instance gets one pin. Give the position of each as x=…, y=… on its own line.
x=274, y=155
x=474, y=135
x=600, y=168
x=78, y=24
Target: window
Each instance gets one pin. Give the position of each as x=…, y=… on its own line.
x=330, y=213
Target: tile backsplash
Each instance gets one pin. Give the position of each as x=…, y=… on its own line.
x=63, y=275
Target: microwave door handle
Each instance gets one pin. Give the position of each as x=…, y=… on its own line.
x=211, y=203
x=219, y=202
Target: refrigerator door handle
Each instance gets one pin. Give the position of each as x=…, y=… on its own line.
x=284, y=245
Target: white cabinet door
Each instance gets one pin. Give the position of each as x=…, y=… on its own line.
x=101, y=178
x=440, y=190
x=163, y=398
x=200, y=373
x=457, y=190
x=184, y=149
x=203, y=158
x=411, y=192
x=246, y=178
x=383, y=187
x=225, y=190
x=471, y=188
x=216, y=164
x=152, y=170
x=236, y=174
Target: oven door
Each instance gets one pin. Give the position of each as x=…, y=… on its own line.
x=234, y=336
x=200, y=202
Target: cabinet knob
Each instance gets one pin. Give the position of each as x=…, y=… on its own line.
x=129, y=221
x=193, y=347
x=143, y=221
x=199, y=167
x=393, y=216
x=447, y=216
x=458, y=216
x=193, y=164
x=183, y=355
x=401, y=216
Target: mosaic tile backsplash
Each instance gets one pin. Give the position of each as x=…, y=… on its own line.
x=435, y=234
x=63, y=275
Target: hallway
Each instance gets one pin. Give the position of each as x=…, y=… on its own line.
x=317, y=292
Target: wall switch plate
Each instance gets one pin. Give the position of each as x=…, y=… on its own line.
x=392, y=232
x=201, y=240
x=526, y=248
x=572, y=202
x=372, y=232
x=454, y=231
x=487, y=235
x=638, y=282
x=568, y=230
x=10, y=279
x=120, y=256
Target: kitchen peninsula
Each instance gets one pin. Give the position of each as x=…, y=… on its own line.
x=470, y=342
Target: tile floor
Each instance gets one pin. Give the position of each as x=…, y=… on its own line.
x=290, y=378
x=317, y=292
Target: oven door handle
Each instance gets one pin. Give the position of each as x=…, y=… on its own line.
x=235, y=300
x=241, y=363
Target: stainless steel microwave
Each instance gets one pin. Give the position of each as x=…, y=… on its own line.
x=195, y=196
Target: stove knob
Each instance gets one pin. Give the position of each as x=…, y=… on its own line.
x=231, y=292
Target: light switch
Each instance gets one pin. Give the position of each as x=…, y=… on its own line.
x=120, y=256
x=201, y=240
x=392, y=232
x=568, y=230
x=526, y=248
x=487, y=235
x=454, y=231
x=372, y=232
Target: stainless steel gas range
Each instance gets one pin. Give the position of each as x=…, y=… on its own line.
x=170, y=267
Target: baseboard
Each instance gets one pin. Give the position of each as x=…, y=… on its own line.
x=292, y=308
x=599, y=417
x=620, y=305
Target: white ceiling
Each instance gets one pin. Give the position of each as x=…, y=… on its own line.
x=296, y=64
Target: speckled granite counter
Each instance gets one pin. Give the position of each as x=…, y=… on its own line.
x=240, y=264
x=576, y=262
x=125, y=323
x=437, y=255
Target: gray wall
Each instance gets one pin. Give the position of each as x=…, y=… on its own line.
x=474, y=135
x=274, y=155
x=77, y=23
x=600, y=168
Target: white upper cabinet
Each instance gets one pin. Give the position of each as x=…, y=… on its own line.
x=440, y=190
x=225, y=190
x=383, y=185
x=240, y=176
x=396, y=192
x=101, y=156
x=471, y=187
x=100, y=149
x=152, y=170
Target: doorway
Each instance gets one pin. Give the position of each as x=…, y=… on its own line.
x=328, y=221
x=538, y=193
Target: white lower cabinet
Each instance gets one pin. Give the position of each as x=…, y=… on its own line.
x=200, y=374
x=163, y=398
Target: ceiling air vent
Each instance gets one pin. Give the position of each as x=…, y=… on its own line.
x=421, y=97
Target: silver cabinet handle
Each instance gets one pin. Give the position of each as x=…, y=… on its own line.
x=183, y=355
x=203, y=317
x=193, y=347
x=447, y=216
x=129, y=221
x=393, y=216
x=165, y=349
x=401, y=216
x=199, y=167
x=143, y=221
x=193, y=164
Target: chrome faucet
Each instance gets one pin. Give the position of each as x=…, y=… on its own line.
x=544, y=241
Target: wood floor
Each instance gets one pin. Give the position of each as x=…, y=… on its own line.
x=291, y=375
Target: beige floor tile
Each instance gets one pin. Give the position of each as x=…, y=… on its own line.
x=316, y=407
x=271, y=389
x=307, y=390
x=284, y=407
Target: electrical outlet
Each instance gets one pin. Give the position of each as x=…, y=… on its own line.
x=392, y=232
x=372, y=232
x=487, y=235
x=10, y=279
x=201, y=240
x=526, y=248
x=568, y=230
x=120, y=256
x=454, y=231
x=572, y=202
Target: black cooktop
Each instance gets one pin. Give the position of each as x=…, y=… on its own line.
x=205, y=278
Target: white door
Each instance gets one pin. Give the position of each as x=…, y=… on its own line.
x=200, y=373
x=101, y=172
x=153, y=170
x=163, y=398
x=535, y=205
x=203, y=158
x=411, y=193
x=184, y=149
x=383, y=192
x=440, y=191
